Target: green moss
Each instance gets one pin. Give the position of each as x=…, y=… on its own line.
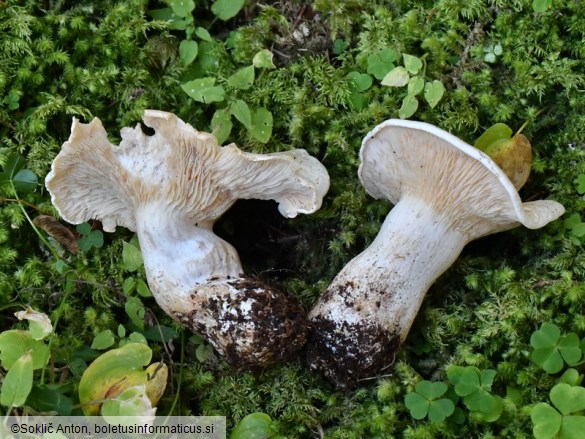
x=113, y=61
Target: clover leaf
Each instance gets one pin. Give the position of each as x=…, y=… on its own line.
x=90, y=239
x=426, y=401
x=379, y=64
x=475, y=387
x=22, y=180
x=560, y=421
x=580, y=184
x=551, y=350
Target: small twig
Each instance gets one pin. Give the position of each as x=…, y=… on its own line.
x=15, y=200
x=543, y=283
x=299, y=16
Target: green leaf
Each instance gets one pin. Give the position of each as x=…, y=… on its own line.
x=549, y=359
x=572, y=221
x=434, y=91
x=551, y=351
x=339, y=46
x=182, y=7
x=571, y=377
x=226, y=9
x=94, y=239
x=135, y=310
x=14, y=163
x=408, y=108
x=15, y=343
x=202, y=352
x=263, y=59
x=261, y=125
x=441, y=410
x=430, y=390
x=487, y=378
x=568, y=399
x=203, y=34
x=578, y=230
x=572, y=427
x=415, y=85
x=490, y=414
x=480, y=400
x=541, y=5
x=103, y=340
x=107, y=372
x=357, y=100
x=160, y=333
x=581, y=184
x=412, y=63
x=221, y=125
x=379, y=64
x=546, y=420
x=360, y=81
x=129, y=285
x=84, y=229
x=50, y=398
x=242, y=79
x=131, y=257
x=424, y=401
x=241, y=112
x=204, y=90
x=17, y=383
x=254, y=426
x=492, y=136
x=570, y=349
x=397, y=77
x=142, y=288
x=417, y=404
x=468, y=381
x=24, y=180
x=188, y=51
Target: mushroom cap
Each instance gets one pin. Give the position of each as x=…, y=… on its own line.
x=401, y=158
x=178, y=168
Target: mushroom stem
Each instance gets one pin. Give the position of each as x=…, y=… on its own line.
x=371, y=304
x=189, y=254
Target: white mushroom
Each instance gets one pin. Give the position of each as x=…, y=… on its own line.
x=170, y=188
x=446, y=194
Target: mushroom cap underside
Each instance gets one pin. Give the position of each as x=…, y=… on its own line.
x=410, y=159
x=178, y=168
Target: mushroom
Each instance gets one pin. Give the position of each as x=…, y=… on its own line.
x=446, y=194
x=170, y=188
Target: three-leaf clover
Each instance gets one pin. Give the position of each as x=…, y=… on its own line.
x=379, y=64
x=551, y=351
x=561, y=421
x=91, y=238
x=426, y=401
x=475, y=387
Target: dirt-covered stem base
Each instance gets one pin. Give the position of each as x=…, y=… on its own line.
x=367, y=311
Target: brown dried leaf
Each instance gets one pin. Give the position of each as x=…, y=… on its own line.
x=58, y=231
